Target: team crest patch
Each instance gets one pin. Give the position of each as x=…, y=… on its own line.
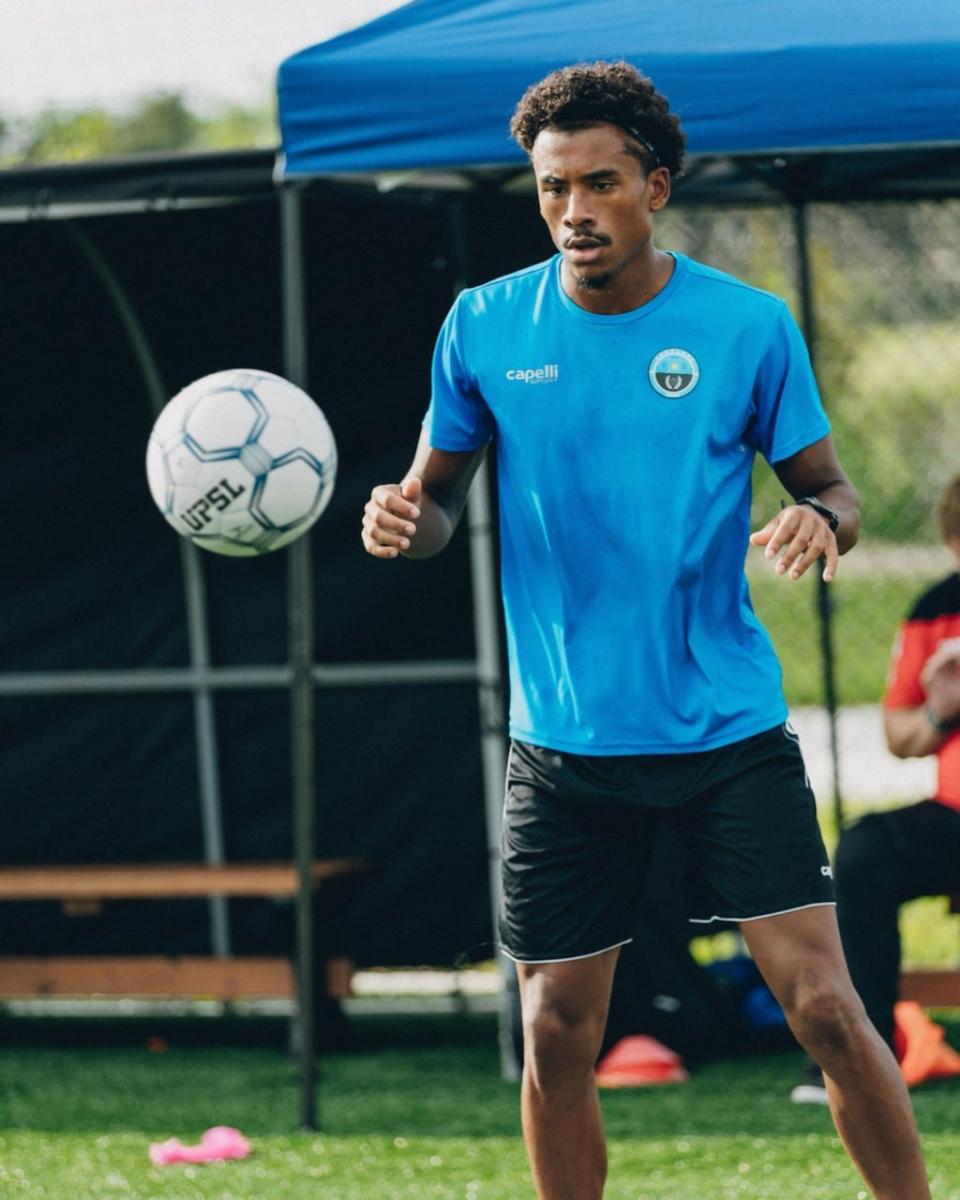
x=674, y=372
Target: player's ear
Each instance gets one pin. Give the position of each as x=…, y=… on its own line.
x=658, y=188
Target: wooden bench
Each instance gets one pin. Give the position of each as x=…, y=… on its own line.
x=82, y=890
x=934, y=988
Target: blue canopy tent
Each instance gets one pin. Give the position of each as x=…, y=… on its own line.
x=811, y=102
x=432, y=84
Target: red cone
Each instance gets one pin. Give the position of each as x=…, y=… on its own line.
x=640, y=1061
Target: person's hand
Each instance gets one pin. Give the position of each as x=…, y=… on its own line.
x=803, y=536
x=941, y=680
x=390, y=517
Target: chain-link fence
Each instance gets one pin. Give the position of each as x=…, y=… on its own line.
x=886, y=339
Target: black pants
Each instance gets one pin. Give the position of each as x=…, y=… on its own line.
x=882, y=861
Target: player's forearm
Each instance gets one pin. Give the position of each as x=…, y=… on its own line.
x=842, y=498
x=910, y=733
x=434, y=528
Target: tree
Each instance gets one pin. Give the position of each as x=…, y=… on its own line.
x=160, y=122
x=59, y=135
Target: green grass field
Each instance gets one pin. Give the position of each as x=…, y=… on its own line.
x=418, y=1112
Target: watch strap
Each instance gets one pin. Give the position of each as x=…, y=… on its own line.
x=832, y=518
x=941, y=724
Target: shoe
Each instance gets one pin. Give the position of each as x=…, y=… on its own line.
x=811, y=1089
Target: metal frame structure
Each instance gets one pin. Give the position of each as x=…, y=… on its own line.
x=824, y=599
x=171, y=183
x=301, y=674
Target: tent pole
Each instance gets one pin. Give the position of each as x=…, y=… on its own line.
x=486, y=627
x=195, y=598
x=493, y=751
x=824, y=600
x=300, y=653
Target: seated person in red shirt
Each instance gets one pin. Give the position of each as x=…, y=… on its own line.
x=890, y=857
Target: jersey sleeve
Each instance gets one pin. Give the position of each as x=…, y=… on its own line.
x=916, y=640
x=910, y=652
x=458, y=417
x=788, y=414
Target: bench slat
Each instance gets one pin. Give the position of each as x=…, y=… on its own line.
x=156, y=976
x=931, y=989
x=126, y=881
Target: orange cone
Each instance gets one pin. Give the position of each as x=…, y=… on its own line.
x=640, y=1061
x=926, y=1055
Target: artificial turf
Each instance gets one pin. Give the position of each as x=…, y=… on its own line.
x=416, y=1111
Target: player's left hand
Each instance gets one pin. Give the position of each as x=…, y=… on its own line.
x=803, y=536
x=941, y=679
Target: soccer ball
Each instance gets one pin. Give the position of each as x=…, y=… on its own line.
x=241, y=462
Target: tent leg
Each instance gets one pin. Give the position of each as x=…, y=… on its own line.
x=492, y=744
x=204, y=721
x=825, y=602
x=486, y=607
x=300, y=651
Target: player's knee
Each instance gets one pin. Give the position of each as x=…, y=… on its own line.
x=559, y=1045
x=825, y=1014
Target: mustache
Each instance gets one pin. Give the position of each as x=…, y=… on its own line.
x=600, y=238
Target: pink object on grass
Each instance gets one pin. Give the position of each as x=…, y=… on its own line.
x=219, y=1143
x=640, y=1061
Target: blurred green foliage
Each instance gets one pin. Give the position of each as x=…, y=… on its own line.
x=867, y=607
x=162, y=122
x=886, y=290
x=886, y=343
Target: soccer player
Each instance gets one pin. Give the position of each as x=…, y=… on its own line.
x=891, y=857
x=627, y=390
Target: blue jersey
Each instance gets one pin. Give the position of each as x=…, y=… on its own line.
x=624, y=452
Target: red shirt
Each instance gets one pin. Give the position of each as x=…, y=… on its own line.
x=935, y=616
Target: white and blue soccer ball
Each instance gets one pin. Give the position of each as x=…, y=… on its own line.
x=241, y=462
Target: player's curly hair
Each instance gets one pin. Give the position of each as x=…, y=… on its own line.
x=586, y=93
x=948, y=509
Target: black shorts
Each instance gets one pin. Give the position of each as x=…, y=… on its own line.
x=578, y=831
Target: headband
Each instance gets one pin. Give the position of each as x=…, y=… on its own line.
x=641, y=139
x=632, y=130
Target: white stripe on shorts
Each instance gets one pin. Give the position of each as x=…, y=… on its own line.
x=534, y=962
x=763, y=916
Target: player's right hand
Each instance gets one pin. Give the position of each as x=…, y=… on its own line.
x=390, y=517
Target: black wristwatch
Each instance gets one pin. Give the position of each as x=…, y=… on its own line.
x=832, y=518
x=941, y=724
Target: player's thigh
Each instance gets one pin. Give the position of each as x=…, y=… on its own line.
x=573, y=866
x=571, y=994
x=926, y=840
x=755, y=847
x=899, y=854
x=799, y=952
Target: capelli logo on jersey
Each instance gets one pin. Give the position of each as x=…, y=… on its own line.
x=547, y=374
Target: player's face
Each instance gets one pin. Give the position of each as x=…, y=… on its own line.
x=596, y=199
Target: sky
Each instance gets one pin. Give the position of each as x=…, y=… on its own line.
x=73, y=53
